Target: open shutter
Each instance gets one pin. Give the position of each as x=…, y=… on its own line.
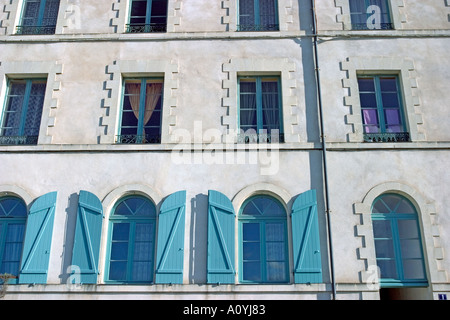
x=88, y=231
x=170, y=248
x=221, y=226
x=305, y=237
x=38, y=240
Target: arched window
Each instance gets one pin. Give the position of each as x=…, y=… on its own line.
x=132, y=241
x=398, y=244
x=13, y=216
x=263, y=241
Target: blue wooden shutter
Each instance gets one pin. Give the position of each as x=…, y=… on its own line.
x=221, y=226
x=38, y=240
x=88, y=232
x=170, y=255
x=305, y=237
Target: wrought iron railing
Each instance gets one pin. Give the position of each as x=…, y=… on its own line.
x=258, y=27
x=138, y=139
x=18, y=140
x=365, y=26
x=260, y=138
x=146, y=28
x=387, y=137
x=36, y=30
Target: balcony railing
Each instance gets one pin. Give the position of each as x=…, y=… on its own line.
x=365, y=26
x=146, y=28
x=36, y=30
x=18, y=140
x=258, y=27
x=387, y=137
x=260, y=138
x=138, y=139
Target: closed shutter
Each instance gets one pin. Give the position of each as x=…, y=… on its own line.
x=170, y=247
x=306, y=240
x=221, y=229
x=88, y=231
x=38, y=240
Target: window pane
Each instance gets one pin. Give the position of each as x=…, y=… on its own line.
x=384, y=248
x=119, y=251
x=251, y=251
x=34, y=110
x=368, y=100
x=413, y=269
x=31, y=13
x=275, y=251
x=118, y=270
x=246, y=13
x=50, y=13
x=250, y=231
x=276, y=271
x=12, y=207
x=411, y=249
x=268, y=15
x=387, y=269
x=121, y=231
x=382, y=229
x=274, y=231
x=388, y=84
x=252, y=271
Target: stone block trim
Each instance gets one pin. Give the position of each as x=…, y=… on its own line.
x=120, y=13
x=113, y=91
x=396, y=8
x=285, y=14
x=244, y=66
x=404, y=69
x=427, y=215
x=52, y=70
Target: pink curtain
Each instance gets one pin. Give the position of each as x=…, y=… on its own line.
x=153, y=93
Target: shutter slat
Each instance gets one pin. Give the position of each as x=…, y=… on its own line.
x=88, y=229
x=306, y=239
x=38, y=238
x=221, y=238
x=170, y=247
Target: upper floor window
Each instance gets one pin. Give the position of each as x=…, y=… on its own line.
x=258, y=15
x=370, y=14
x=382, y=110
x=21, y=118
x=132, y=241
x=147, y=16
x=141, y=111
x=263, y=233
x=13, y=216
x=398, y=244
x=260, y=111
x=39, y=17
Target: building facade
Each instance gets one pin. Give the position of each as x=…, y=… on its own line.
x=229, y=149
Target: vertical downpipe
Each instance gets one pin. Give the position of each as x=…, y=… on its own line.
x=324, y=147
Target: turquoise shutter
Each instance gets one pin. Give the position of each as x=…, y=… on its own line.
x=38, y=240
x=88, y=231
x=305, y=237
x=170, y=255
x=221, y=226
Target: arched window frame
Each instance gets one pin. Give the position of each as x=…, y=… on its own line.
x=5, y=223
x=399, y=255
x=133, y=220
x=262, y=221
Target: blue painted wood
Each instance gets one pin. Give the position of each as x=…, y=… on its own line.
x=38, y=239
x=170, y=247
x=88, y=232
x=306, y=239
x=221, y=238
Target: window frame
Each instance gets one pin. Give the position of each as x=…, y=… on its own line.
x=393, y=218
x=38, y=29
x=21, y=138
x=388, y=25
x=148, y=16
x=4, y=223
x=132, y=220
x=384, y=135
x=257, y=25
x=262, y=221
x=260, y=131
x=140, y=138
